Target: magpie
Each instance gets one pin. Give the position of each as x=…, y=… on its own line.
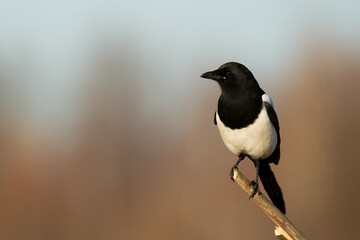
x=248, y=125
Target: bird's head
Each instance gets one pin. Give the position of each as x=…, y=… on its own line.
x=231, y=76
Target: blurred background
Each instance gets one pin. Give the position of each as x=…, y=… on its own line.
x=106, y=128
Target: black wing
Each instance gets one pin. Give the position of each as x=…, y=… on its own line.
x=275, y=156
x=215, y=118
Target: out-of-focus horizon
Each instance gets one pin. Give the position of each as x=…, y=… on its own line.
x=106, y=127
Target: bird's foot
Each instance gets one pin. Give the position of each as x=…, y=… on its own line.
x=232, y=172
x=241, y=157
x=255, y=184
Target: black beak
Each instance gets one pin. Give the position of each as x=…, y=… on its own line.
x=212, y=75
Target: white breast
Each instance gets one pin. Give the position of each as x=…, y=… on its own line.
x=257, y=140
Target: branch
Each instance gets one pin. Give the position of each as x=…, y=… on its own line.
x=285, y=226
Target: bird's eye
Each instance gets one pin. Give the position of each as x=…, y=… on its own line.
x=228, y=74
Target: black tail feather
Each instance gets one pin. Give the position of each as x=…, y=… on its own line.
x=271, y=186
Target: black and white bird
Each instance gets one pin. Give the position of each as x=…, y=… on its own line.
x=248, y=125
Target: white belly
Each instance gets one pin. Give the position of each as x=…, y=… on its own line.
x=257, y=140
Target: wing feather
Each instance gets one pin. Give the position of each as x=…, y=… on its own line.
x=275, y=156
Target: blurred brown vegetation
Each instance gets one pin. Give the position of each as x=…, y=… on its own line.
x=122, y=175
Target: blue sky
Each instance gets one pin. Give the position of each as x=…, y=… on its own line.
x=48, y=44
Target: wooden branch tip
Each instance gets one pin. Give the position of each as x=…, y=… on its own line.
x=285, y=229
x=281, y=234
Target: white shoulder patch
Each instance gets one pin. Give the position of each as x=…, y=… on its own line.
x=268, y=99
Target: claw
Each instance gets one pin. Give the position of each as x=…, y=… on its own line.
x=256, y=188
x=256, y=182
x=232, y=172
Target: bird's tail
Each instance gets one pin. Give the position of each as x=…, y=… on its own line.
x=271, y=186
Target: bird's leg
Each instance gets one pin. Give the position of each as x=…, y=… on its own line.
x=256, y=182
x=241, y=157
